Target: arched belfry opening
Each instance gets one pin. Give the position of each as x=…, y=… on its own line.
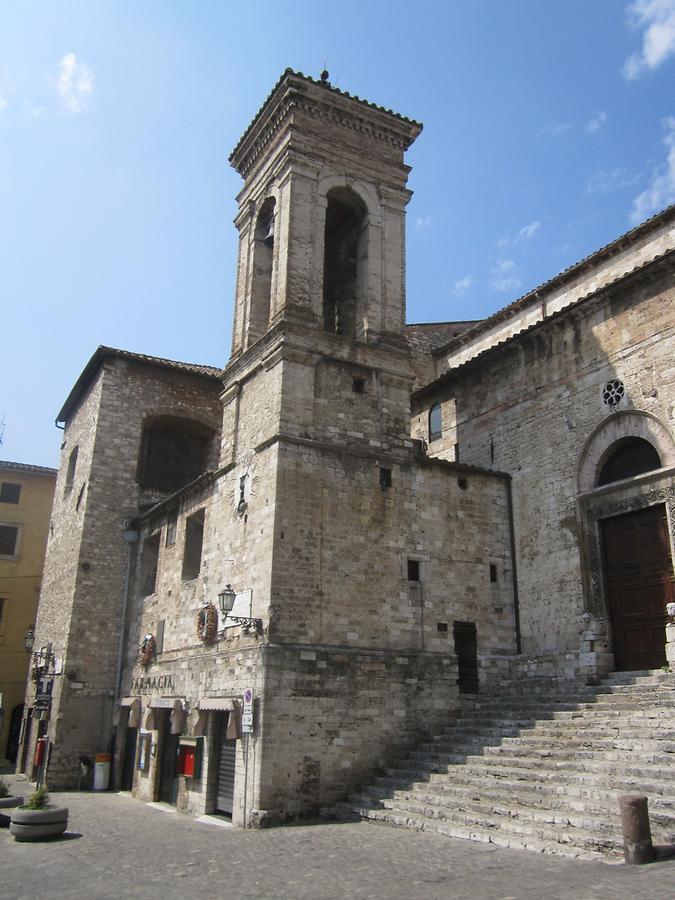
x=627, y=458
x=345, y=253
x=263, y=261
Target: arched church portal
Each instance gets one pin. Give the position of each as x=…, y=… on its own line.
x=627, y=520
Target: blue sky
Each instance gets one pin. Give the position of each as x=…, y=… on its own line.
x=549, y=129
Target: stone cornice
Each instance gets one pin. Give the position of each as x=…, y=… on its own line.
x=296, y=92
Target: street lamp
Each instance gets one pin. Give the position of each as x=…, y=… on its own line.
x=226, y=598
x=29, y=639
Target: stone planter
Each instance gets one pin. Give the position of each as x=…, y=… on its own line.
x=38, y=824
x=8, y=803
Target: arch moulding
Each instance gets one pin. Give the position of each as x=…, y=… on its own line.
x=618, y=425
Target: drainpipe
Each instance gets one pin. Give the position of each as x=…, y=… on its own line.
x=514, y=568
x=130, y=536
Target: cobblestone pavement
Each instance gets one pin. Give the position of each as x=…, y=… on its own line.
x=117, y=847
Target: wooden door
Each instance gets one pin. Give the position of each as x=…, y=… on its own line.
x=466, y=648
x=639, y=582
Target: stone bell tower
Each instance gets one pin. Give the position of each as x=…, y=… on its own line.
x=321, y=221
x=316, y=420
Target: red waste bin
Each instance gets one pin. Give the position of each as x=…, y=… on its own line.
x=40, y=748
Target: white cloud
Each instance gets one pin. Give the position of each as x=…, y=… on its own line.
x=460, y=287
x=422, y=223
x=607, y=180
x=596, y=122
x=505, y=276
x=527, y=232
x=74, y=83
x=3, y=102
x=555, y=129
x=661, y=190
x=657, y=18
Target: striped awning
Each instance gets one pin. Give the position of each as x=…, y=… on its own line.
x=225, y=704
x=133, y=704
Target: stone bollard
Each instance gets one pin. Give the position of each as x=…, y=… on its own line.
x=637, y=836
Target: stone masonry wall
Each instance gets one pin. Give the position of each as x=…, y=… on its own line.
x=529, y=407
x=86, y=566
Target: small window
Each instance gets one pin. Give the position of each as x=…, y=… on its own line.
x=194, y=538
x=9, y=493
x=9, y=539
x=359, y=385
x=435, y=422
x=413, y=570
x=442, y=627
x=385, y=478
x=149, y=562
x=70, y=474
x=493, y=573
x=463, y=483
x=171, y=525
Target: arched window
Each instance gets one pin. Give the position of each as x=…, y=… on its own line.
x=345, y=249
x=626, y=458
x=173, y=453
x=261, y=281
x=435, y=422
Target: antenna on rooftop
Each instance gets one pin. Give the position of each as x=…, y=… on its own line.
x=2, y=428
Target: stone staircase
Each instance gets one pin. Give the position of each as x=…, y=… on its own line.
x=540, y=773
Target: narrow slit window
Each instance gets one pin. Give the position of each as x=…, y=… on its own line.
x=149, y=563
x=70, y=474
x=194, y=538
x=493, y=573
x=413, y=570
x=171, y=526
x=435, y=422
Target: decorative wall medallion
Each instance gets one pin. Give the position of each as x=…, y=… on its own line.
x=146, y=650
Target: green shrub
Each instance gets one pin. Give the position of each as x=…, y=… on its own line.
x=38, y=799
x=4, y=790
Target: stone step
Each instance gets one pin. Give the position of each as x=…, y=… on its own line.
x=545, y=768
x=542, y=772
x=597, y=740
x=551, y=734
x=604, y=822
x=545, y=709
x=542, y=840
x=492, y=783
x=595, y=799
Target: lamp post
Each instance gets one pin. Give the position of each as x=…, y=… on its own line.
x=226, y=598
x=41, y=663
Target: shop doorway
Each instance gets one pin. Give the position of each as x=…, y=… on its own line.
x=639, y=583
x=226, y=756
x=14, y=733
x=127, y=781
x=168, y=779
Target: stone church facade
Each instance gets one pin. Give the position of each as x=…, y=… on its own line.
x=403, y=514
